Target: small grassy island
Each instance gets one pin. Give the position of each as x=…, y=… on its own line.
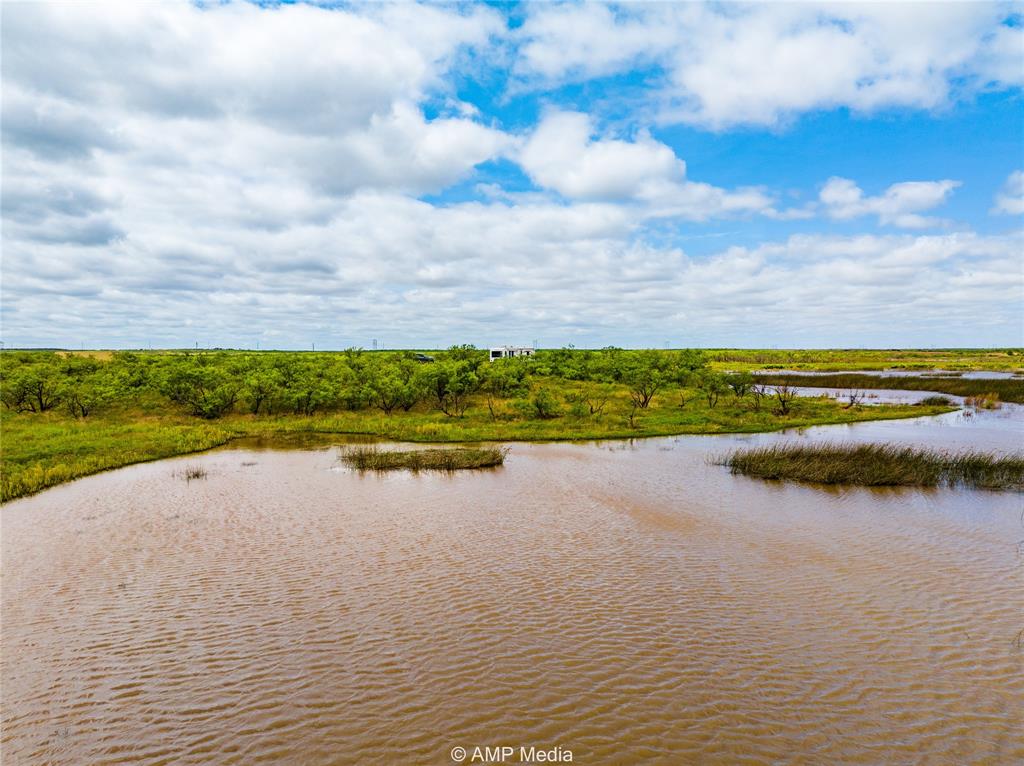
x=435, y=459
x=878, y=465
x=70, y=414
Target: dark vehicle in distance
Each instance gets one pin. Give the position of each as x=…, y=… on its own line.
x=423, y=358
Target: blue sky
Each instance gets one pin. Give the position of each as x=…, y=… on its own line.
x=721, y=175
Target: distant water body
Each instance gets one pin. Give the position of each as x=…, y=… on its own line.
x=967, y=374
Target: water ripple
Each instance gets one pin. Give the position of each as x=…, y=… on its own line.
x=633, y=605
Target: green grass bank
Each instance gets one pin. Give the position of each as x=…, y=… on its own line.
x=40, y=450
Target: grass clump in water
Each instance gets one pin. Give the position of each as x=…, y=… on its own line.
x=193, y=472
x=989, y=401
x=936, y=401
x=443, y=459
x=878, y=465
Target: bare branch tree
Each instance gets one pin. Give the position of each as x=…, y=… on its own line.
x=854, y=396
x=784, y=395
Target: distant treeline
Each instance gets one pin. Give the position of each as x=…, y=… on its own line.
x=1007, y=389
x=212, y=384
x=134, y=406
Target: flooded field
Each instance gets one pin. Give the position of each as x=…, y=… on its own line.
x=901, y=373
x=876, y=395
x=627, y=602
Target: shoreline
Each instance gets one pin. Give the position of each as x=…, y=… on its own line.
x=41, y=477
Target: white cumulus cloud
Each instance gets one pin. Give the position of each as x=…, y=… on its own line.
x=226, y=173
x=562, y=154
x=1010, y=199
x=331, y=95
x=899, y=205
x=762, y=63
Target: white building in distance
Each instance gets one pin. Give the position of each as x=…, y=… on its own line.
x=507, y=352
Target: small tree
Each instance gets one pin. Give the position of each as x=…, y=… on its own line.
x=451, y=383
x=740, y=383
x=466, y=352
x=854, y=398
x=84, y=389
x=316, y=387
x=712, y=385
x=434, y=378
x=260, y=387
x=608, y=365
x=501, y=379
x=566, y=362
x=784, y=395
x=544, y=404
x=36, y=388
x=14, y=391
x=207, y=389
x=688, y=365
x=759, y=391
x=385, y=388
x=412, y=389
x=644, y=373
x=596, y=397
x=688, y=361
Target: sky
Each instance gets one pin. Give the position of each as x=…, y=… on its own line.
x=287, y=175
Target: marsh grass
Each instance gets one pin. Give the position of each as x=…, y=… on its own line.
x=435, y=459
x=989, y=401
x=878, y=465
x=936, y=401
x=193, y=472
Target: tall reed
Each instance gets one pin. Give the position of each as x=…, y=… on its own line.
x=875, y=465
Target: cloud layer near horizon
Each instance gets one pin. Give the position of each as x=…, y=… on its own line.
x=228, y=174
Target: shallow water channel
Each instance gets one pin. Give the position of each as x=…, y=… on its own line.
x=901, y=373
x=627, y=602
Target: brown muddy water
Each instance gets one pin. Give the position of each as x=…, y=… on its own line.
x=626, y=602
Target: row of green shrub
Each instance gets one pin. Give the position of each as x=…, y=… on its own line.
x=212, y=384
